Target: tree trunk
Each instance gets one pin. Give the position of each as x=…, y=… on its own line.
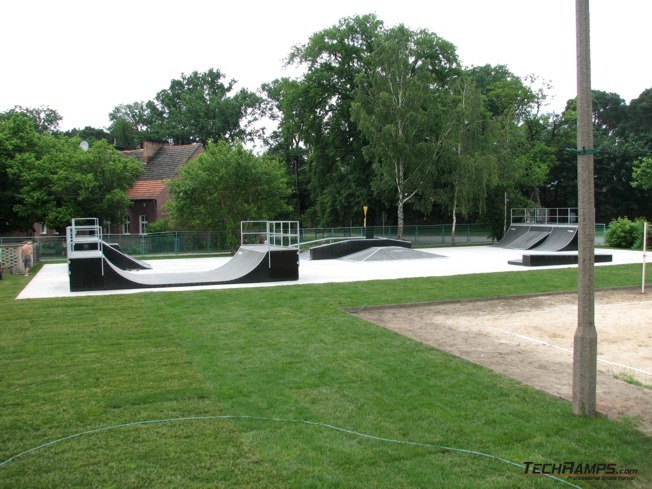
x=399, y=230
x=453, y=230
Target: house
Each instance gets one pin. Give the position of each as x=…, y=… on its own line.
x=150, y=191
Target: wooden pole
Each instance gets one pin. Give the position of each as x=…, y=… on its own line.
x=586, y=339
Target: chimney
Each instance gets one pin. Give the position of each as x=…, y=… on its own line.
x=150, y=148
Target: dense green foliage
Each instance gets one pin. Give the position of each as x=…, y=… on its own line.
x=642, y=175
x=200, y=107
x=625, y=233
x=49, y=178
x=225, y=185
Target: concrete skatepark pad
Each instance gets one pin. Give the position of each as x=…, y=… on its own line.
x=91, y=270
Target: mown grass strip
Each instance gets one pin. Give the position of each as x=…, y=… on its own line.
x=79, y=364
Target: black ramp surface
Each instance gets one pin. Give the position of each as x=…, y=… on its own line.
x=532, y=238
x=121, y=260
x=513, y=233
x=560, y=239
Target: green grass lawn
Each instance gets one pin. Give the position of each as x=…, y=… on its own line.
x=277, y=387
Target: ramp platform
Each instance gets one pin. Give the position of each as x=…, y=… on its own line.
x=547, y=260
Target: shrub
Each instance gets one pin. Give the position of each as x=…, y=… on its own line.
x=624, y=233
x=639, y=224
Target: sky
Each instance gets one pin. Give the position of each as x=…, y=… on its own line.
x=83, y=58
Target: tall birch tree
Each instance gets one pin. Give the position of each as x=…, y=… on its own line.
x=399, y=107
x=470, y=153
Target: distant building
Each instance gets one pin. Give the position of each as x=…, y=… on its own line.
x=150, y=191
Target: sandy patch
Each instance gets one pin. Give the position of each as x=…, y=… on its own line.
x=531, y=339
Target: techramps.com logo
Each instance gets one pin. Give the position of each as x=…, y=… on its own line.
x=580, y=471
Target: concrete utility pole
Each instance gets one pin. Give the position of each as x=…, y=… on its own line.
x=585, y=348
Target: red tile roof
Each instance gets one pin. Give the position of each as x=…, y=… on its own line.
x=146, y=189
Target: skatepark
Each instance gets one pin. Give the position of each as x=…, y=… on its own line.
x=53, y=281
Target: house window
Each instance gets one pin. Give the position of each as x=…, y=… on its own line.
x=142, y=221
x=126, y=225
x=106, y=227
x=44, y=228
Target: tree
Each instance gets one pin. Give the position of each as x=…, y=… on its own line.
x=638, y=119
x=399, y=109
x=516, y=145
x=89, y=134
x=200, y=108
x=318, y=109
x=285, y=142
x=504, y=92
x=45, y=119
x=642, y=174
x=18, y=135
x=130, y=125
x=225, y=185
x=470, y=152
x=57, y=181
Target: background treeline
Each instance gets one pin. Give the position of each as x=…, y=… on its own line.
x=384, y=117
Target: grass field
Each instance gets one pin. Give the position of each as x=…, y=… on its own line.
x=277, y=387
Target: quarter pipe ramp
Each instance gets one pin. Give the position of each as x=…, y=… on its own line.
x=563, y=238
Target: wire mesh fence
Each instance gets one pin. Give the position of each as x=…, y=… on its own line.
x=184, y=242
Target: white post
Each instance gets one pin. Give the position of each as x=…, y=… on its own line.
x=644, y=253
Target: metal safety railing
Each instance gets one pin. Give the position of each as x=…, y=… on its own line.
x=559, y=215
x=85, y=234
x=270, y=233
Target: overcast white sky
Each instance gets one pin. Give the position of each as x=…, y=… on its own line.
x=84, y=57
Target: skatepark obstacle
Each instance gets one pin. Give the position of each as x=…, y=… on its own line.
x=90, y=267
x=541, y=230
